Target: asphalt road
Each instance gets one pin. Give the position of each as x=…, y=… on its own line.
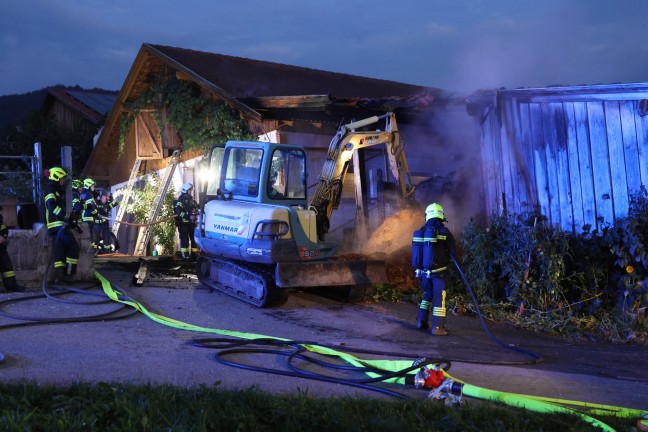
x=140, y=350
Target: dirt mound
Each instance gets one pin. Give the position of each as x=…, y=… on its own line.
x=394, y=235
x=392, y=242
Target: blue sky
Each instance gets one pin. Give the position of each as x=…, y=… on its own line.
x=458, y=45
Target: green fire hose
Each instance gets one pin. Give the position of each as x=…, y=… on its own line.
x=531, y=403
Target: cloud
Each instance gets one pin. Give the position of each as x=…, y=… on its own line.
x=436, y=29
x=469, y=44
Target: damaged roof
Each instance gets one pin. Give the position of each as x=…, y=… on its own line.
x=260, y=91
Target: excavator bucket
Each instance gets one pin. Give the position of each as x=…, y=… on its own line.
x=334, y=273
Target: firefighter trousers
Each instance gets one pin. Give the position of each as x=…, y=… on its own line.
x=7, y=270
x=66, y=253
x=434, y=296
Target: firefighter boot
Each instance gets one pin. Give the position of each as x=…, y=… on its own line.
x=11, y=285
x=69, y=273
x=422, y=319
x=438, y=322
x=59, y=275
x=439, y=331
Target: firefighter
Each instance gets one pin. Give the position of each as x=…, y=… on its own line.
x=433, y=247
x=77, y=205
x=185, y=210
x=66, y=248
x=104, y=204
x=89, y=204
x=6, y=268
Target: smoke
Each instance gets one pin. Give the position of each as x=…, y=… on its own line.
x=447, y=161
x=444, y=158
x=549, y=43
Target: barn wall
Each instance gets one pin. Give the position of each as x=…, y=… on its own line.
x=577, y=155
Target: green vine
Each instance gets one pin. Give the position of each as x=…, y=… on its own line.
x=199, y=119
x=142, y=198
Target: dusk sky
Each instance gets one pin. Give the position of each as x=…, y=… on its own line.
x=458, y=45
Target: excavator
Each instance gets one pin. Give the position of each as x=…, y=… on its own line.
x=258, y=234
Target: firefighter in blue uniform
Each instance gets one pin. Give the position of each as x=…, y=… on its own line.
x=6, y=267
x=105, y=204
x=89, y=204
x=433, y=247
x=66, y=248
x=185, y=209
x=77, y=205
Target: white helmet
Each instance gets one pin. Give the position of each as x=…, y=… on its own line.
x=186, y=187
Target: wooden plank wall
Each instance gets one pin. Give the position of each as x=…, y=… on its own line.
x=580, y=159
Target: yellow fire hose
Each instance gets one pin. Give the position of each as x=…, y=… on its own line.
x=529, y=402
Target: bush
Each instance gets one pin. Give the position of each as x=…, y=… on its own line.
x=593, y=281
x=143, y=195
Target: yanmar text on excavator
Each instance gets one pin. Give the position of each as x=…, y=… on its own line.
x=259, y=235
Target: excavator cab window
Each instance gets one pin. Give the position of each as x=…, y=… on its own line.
x=214, y=173
x=287, y=176
x=243, y=169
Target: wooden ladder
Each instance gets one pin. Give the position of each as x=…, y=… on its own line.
x=128, y=192
x=144, y=234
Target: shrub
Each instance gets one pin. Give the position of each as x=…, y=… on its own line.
x=561, y=277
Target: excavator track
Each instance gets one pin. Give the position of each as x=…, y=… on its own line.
x=252, y=283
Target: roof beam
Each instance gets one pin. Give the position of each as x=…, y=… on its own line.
x=318, y=102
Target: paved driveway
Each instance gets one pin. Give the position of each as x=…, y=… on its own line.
x=139, y=350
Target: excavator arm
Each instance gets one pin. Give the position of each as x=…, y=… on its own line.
x=344, y=143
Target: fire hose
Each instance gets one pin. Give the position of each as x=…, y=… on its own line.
x=139, y=224
x=423, y=373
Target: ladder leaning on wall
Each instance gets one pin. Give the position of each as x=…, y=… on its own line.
x=126, y=196
x=145, y=232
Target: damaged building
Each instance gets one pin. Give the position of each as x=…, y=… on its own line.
x=295, y=105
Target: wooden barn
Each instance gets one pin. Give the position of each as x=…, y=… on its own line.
x=293, y=104
x=285, y=104
x=70, y=109
x=80, y=114
x=577, y=153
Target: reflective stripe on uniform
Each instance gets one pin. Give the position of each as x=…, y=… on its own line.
x=8, y=274
x=55, y=224
x=439, y=311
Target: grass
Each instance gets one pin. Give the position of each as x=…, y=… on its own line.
x=28, y=406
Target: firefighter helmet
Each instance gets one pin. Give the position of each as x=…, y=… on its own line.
x=76, y=184
x=186, y=187
x=87, y=183
x=56, y=173
x=434, y=210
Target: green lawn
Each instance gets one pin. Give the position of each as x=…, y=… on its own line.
x=119, y=407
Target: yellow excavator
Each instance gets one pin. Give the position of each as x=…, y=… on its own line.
x=258, y=234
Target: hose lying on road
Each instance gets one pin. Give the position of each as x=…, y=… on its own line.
x=378, y=370
x=537, y=358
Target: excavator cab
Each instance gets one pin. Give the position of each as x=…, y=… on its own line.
x=257, y=172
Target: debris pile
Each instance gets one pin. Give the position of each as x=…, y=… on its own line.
x=392, y=242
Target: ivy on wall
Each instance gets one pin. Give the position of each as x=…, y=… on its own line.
x=200, y=120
